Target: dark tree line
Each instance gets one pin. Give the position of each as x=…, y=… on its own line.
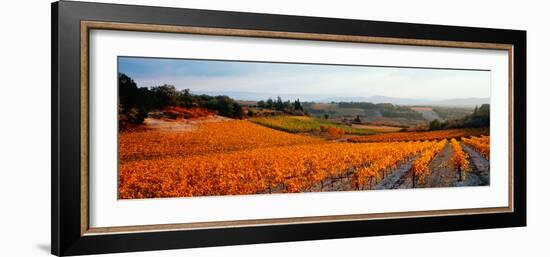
x=480, y=117
x=386, y=109
x=360, y=105
x=279, y=105
x=134, y=103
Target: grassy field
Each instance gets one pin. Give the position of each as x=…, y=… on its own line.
x=297, y=124
x=377, y=129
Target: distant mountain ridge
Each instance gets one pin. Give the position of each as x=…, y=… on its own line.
x=471, y=101
x=252, y=96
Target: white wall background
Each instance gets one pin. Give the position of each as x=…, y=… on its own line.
x=25, y=127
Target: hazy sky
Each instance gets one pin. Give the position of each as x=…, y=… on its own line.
x=307, y=79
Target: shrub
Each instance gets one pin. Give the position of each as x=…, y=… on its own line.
x=333, y=131
x=176, y=112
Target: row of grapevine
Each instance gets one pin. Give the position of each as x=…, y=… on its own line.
x=217, y=137
x=238, y=157
x=480, y=144
x=294, y=168
x=378, y=168
x=422, y=135
x=460, y=159
x=420, y=167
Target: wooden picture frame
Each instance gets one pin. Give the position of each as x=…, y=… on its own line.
x=71, y=25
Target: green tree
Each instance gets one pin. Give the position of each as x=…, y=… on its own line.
x=435, y=125
x=134, y=103
x=279, y=105
x=262, y=104
x=186, y=99
x=165, y=95
x=298, y=105
x=237, y=110
x=484, y=110
x=287, y=105
x=269, y=103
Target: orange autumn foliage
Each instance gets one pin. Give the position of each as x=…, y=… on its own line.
x=424, y=135
x=386, y=161
x=176, y=112
x=460, y=159
x=333, y=131
x=481, y=144
x=214, y=137
x=420, y=166
x=239, y=157
x=295, y=168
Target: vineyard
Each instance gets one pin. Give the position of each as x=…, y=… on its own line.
x=419, y=167
x=237, y=157
x=460, y=159
x=214, y=137
x=480, y=144
x=424, y=135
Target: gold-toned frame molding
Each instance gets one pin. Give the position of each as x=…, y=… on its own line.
x=87, y=26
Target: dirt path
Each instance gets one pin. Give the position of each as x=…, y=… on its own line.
x=478, y=172
x=398, y=178
x=341, y=183
x=441, y=175
x=442, y=172
x=179, y=125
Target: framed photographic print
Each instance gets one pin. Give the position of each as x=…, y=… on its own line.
x=178, y=128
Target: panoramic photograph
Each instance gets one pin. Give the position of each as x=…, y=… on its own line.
x=190, y=127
